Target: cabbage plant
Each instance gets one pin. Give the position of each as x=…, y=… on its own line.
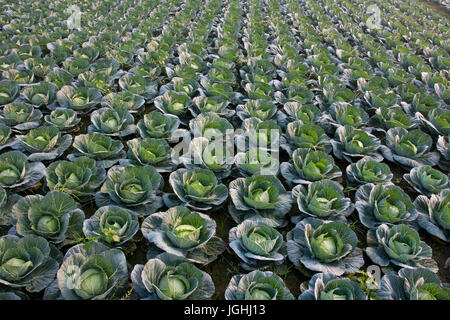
x=138, y=85
x=212, y=155
x=9, y=90
x=168, y=277
x=55, y=217
x=97, y=81
x=257, y=245
x=342, y=114
x=386, y=118
x=398, y=245
x=132, y=187
x=43, y=143
x=413, y=284
x=409, y=148
x=29, y=262
x=258, y=134
x=172, y=102
x=151, y=151
x=437, y=121
x=257, y=285
x=62, y=118
x=326, y=286
x=158, y=125
x=322, y=199
x=124, y=99
x=382, y=99
x=308, y=136
x=256, y=162
x=368, y=170
x=179, y=84
x=294, y=93
x=350, y=143
x=293, y=111
x=92, y=272
x=306, y=166
x=184, y=233
x=80, y=99
x=80, y=178
x=434, y=214
x=59, y=77
x=76, y=65
x=42, y=94
x=87, y=52
x=17, y=173
x=426, y=180
x=112, y=121
x=40, y=66
x=112, y=225
x=259, y=198
x=333, y=93
x=21, y=77
x=10, y=61
x=203, y=104
x=324, y=246
x=423, y=103
x=383, y=204
x=209, y=125
x=20, y=116
x=259, y=91
x=408, y=91
x=104, y=149
x=196, y=188
x=261, y=109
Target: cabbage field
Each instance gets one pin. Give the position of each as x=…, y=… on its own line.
x=224, y=149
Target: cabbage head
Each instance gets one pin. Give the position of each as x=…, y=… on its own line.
x=43, y=143
x=17, y=173
x=62, y=118
x=151, y=151
x=184, y=233
x=257, y=245
x=323, y=199
x=257, y=285
x=426, y=180
x=383, y=204
x=368, y=170
x=132, y=187
x=413, y=284
x=399, y=245
x=259, y=198
x=92, y=272
x=324, y=246
x=168, y=277
x=104, y=149
x=327, y=286
x=112, y=225
x=350, y=143
x=434, y=214
x=307, y=166
x=29, y=262
x=56, y=217
x=409, y=148
x=196, y=188
x=80, y=178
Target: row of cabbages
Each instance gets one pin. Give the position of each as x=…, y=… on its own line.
x=97, y=271
x=74, y=80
